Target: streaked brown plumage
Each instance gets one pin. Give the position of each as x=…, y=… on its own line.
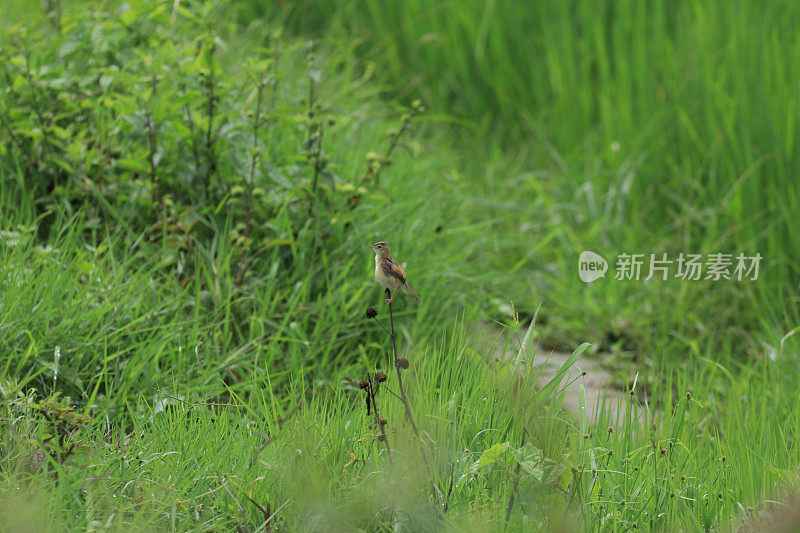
x=388, y=273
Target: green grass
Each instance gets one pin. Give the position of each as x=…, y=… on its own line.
x=184, y=297
x=616, y=127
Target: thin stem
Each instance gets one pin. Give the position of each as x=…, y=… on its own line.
x=312, y=134
x=54, y=12
x=190, y=124
x=314, y=144
x=152, y=137
x=37, y=107
x=517, y=468
x=371, y=394
x=211, y=100
x=390, y=149
x=256, y=158
x=395, y=142
x=382, y=326
x=403, y=396
x=407, y=406
x=224, y=484
x=450, y=488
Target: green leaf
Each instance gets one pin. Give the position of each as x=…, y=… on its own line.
x=531, y=460
x=547, y=389
x=129, y=17
x=279, y=242
x=533, y=468
x=315, y=74
x=493, y=454
x=565, y=477
x=277, y=175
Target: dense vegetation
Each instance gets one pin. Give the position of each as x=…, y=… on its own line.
x=187, y=191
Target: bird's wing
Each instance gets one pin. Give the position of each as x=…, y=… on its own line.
x=391, y=268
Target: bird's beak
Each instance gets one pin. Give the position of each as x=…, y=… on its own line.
x=371, y=245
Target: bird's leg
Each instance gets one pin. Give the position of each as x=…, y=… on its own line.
x=389, y=293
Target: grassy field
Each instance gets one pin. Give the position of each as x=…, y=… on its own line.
x=187, y=190
x=624, y=127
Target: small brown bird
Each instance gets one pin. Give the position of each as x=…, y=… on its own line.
x=388, y=273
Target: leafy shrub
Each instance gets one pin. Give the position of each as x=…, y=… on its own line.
x=170, y=163
x=141, y=116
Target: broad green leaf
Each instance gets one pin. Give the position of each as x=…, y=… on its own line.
x=493, y=454
x=530, y=459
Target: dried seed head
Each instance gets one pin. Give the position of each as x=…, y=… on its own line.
x=371, y=312
x=383, y=422
x=380, y=377
x=402, y=363
x=363, y=384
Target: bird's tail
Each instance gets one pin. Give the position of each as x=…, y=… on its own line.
x=412, y=293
